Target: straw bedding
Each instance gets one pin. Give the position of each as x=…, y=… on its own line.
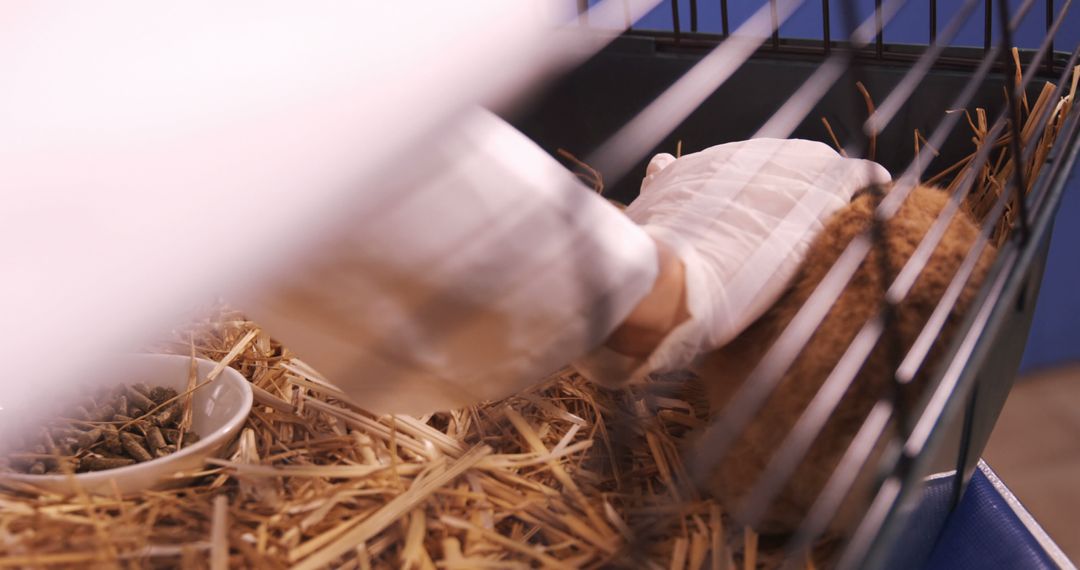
x=536, y=479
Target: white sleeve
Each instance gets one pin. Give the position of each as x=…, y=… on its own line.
x=461, y=285
x=153, y=157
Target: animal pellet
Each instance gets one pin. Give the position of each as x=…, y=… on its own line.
x=113, y=428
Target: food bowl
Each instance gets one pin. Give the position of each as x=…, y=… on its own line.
x=218, y=408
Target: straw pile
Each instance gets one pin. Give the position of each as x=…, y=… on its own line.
x=545, y=478
x=1040, y=122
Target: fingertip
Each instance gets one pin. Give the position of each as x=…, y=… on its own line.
x=658, y=163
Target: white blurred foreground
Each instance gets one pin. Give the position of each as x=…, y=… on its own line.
x=154, y=157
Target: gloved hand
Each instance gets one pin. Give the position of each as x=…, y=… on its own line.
x=740, y=217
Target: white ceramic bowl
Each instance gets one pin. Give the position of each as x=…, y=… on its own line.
x=218, y=413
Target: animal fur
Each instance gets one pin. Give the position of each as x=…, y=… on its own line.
x=725, y=370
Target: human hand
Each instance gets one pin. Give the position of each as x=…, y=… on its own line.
x=739, y=217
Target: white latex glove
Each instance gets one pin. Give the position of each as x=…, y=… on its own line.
x=741, y=217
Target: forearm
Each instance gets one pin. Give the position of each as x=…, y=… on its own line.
x=469, y=284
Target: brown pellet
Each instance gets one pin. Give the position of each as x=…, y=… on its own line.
x=134, y=447
x=141, y=426
x=171, y=435
x=161, y=394
x=140, y=401
x=102, y=463
x=167, y=415
x=111, y=440
x=104, y=413
x=154, y=438
x=110, y=432
x=88, y=438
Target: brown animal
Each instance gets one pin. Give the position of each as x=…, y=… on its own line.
x=725, y=370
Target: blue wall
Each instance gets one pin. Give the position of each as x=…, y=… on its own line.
x=1055, y=333
x=910, y=25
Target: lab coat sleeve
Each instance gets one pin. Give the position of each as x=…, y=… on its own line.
x=153, y=158
x=467, y=282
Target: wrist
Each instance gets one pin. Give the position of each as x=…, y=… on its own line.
x=661, y=310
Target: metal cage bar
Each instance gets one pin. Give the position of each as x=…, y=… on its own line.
x=1012, y=87
x=933, y=21
x=918, y=439
x=954, y=57
x=1050, y=34
x=879, y=25
x=775, y=18
x=676, y=28
x=763, y=380
x=826, y=28
x=671, y=107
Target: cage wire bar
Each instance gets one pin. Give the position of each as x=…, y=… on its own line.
x=777, y=360
x=954, y=378
x=958, y=381
x=794, y=448
x=956, y=57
